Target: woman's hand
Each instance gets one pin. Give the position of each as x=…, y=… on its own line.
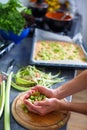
x=45, y=106
x=51, y=103
x=51, y=93
x=42, y=107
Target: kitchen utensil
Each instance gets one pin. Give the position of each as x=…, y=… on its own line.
x=9, y=68
x=58, y=21
x=64, y=16
x=46, y=35
x=14, y=37
x=38, y=8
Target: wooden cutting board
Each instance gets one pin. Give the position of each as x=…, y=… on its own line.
x=31, y=121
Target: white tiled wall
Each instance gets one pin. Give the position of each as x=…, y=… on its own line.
x=25, y=2
x=3, y=1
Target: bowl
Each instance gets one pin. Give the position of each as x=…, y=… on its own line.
x=39, y=9
x=58, y=21
x=14, y=37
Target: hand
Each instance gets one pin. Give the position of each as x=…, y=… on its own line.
x=44, y=107
x=51, y=93
x=28, y=103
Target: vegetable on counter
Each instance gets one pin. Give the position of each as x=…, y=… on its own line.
x=47, y=50
x=29, y=76
x=12, y=16
x=7, y=103
x=2, y=97
x=36, y=96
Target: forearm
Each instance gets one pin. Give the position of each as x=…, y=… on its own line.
x=74, y=107
x=79, y=83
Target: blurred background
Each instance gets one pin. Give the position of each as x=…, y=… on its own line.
x=80, y=6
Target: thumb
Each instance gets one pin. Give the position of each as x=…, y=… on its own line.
x=40, y=103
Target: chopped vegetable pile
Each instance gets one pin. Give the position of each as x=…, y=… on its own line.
x=57, y=50
x=29, y=76
x=36, y=96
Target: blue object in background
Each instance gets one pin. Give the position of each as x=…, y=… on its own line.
x=63, y=127
x=14, y=37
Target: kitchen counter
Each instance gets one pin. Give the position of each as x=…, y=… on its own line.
x=20, y=53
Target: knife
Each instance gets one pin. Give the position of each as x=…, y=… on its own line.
x=9, y=67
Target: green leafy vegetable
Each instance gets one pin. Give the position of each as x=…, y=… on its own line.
x=11, y=18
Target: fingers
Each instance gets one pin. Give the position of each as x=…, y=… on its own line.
x=32, y=107
x=29, y=104
x=39, y=107
x=40, y=103
x=27, y=95
x=40, y=88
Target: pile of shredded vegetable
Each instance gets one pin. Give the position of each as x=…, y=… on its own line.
x=30, y=76
x=57, y=50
